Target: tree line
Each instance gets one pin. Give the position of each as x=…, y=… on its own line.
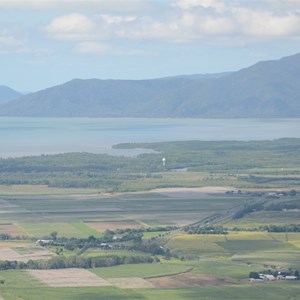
x=281, y=228
x=61, y=262
x=206, y=230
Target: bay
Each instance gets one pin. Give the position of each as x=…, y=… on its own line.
x=35, y=136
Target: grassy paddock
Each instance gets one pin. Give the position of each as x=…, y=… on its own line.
x=67, y=214
x=141, y=270
x=74, y=229
x=258, y=248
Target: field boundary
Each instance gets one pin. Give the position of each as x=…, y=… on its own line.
x=171, y=274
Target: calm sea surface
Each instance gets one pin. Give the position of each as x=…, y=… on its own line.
x=34, y=136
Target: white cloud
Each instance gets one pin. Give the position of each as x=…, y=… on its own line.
x=205, y=21
x=265, y=23
x=105, y=6
x=113, y=19
x=191, y=4
x=82, y=28
x=244, y=19
x=71, y=27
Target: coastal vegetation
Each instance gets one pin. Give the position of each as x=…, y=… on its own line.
x=263, y=164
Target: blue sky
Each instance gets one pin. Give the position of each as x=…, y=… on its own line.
x=45, y=43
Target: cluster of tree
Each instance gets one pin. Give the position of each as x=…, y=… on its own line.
x=144, y=229
x=281, y=228
x=78, y=170
x=206, y=230
x=263, y=180
x=90, y=242
x=281, y=206
x=5, y=236
x=247, y=210
x=151, y=247
x=133, y=235
x=290, y=193
x=125, y=235
x=61, y=262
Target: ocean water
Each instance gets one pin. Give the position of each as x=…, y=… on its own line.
x=35, y=136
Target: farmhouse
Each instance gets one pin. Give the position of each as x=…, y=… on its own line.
x=291, y=278
x=105, y=246
x=281, y=276
x=44, y=242
x=267, y=277
x=258, y=277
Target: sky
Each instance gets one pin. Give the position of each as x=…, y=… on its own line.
x=45, y=43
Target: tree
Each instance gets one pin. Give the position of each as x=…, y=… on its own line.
x=53, y=235
x=292, y=193
x=254, y=275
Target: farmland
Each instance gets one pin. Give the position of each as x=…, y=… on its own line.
x=20, y=285
x=103, y=243
x=71, y=214
x=212, y=265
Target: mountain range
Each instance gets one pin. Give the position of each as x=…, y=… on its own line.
x=7, y=94
x=268, y=89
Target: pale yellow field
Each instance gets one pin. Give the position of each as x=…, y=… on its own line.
x=113, y=225
x=11, y=254
x=246, y=235
x=15, y=244
x=291, y=237
x=68, y=278
x=197, y=243
x=12, y=230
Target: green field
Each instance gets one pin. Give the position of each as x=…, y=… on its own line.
x=20, y=286
x=72, y=229
x=142, y=270
x=230, y=256
x=248, y=248
x=154, y=210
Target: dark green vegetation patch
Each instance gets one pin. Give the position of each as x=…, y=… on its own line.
x=240, y=164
